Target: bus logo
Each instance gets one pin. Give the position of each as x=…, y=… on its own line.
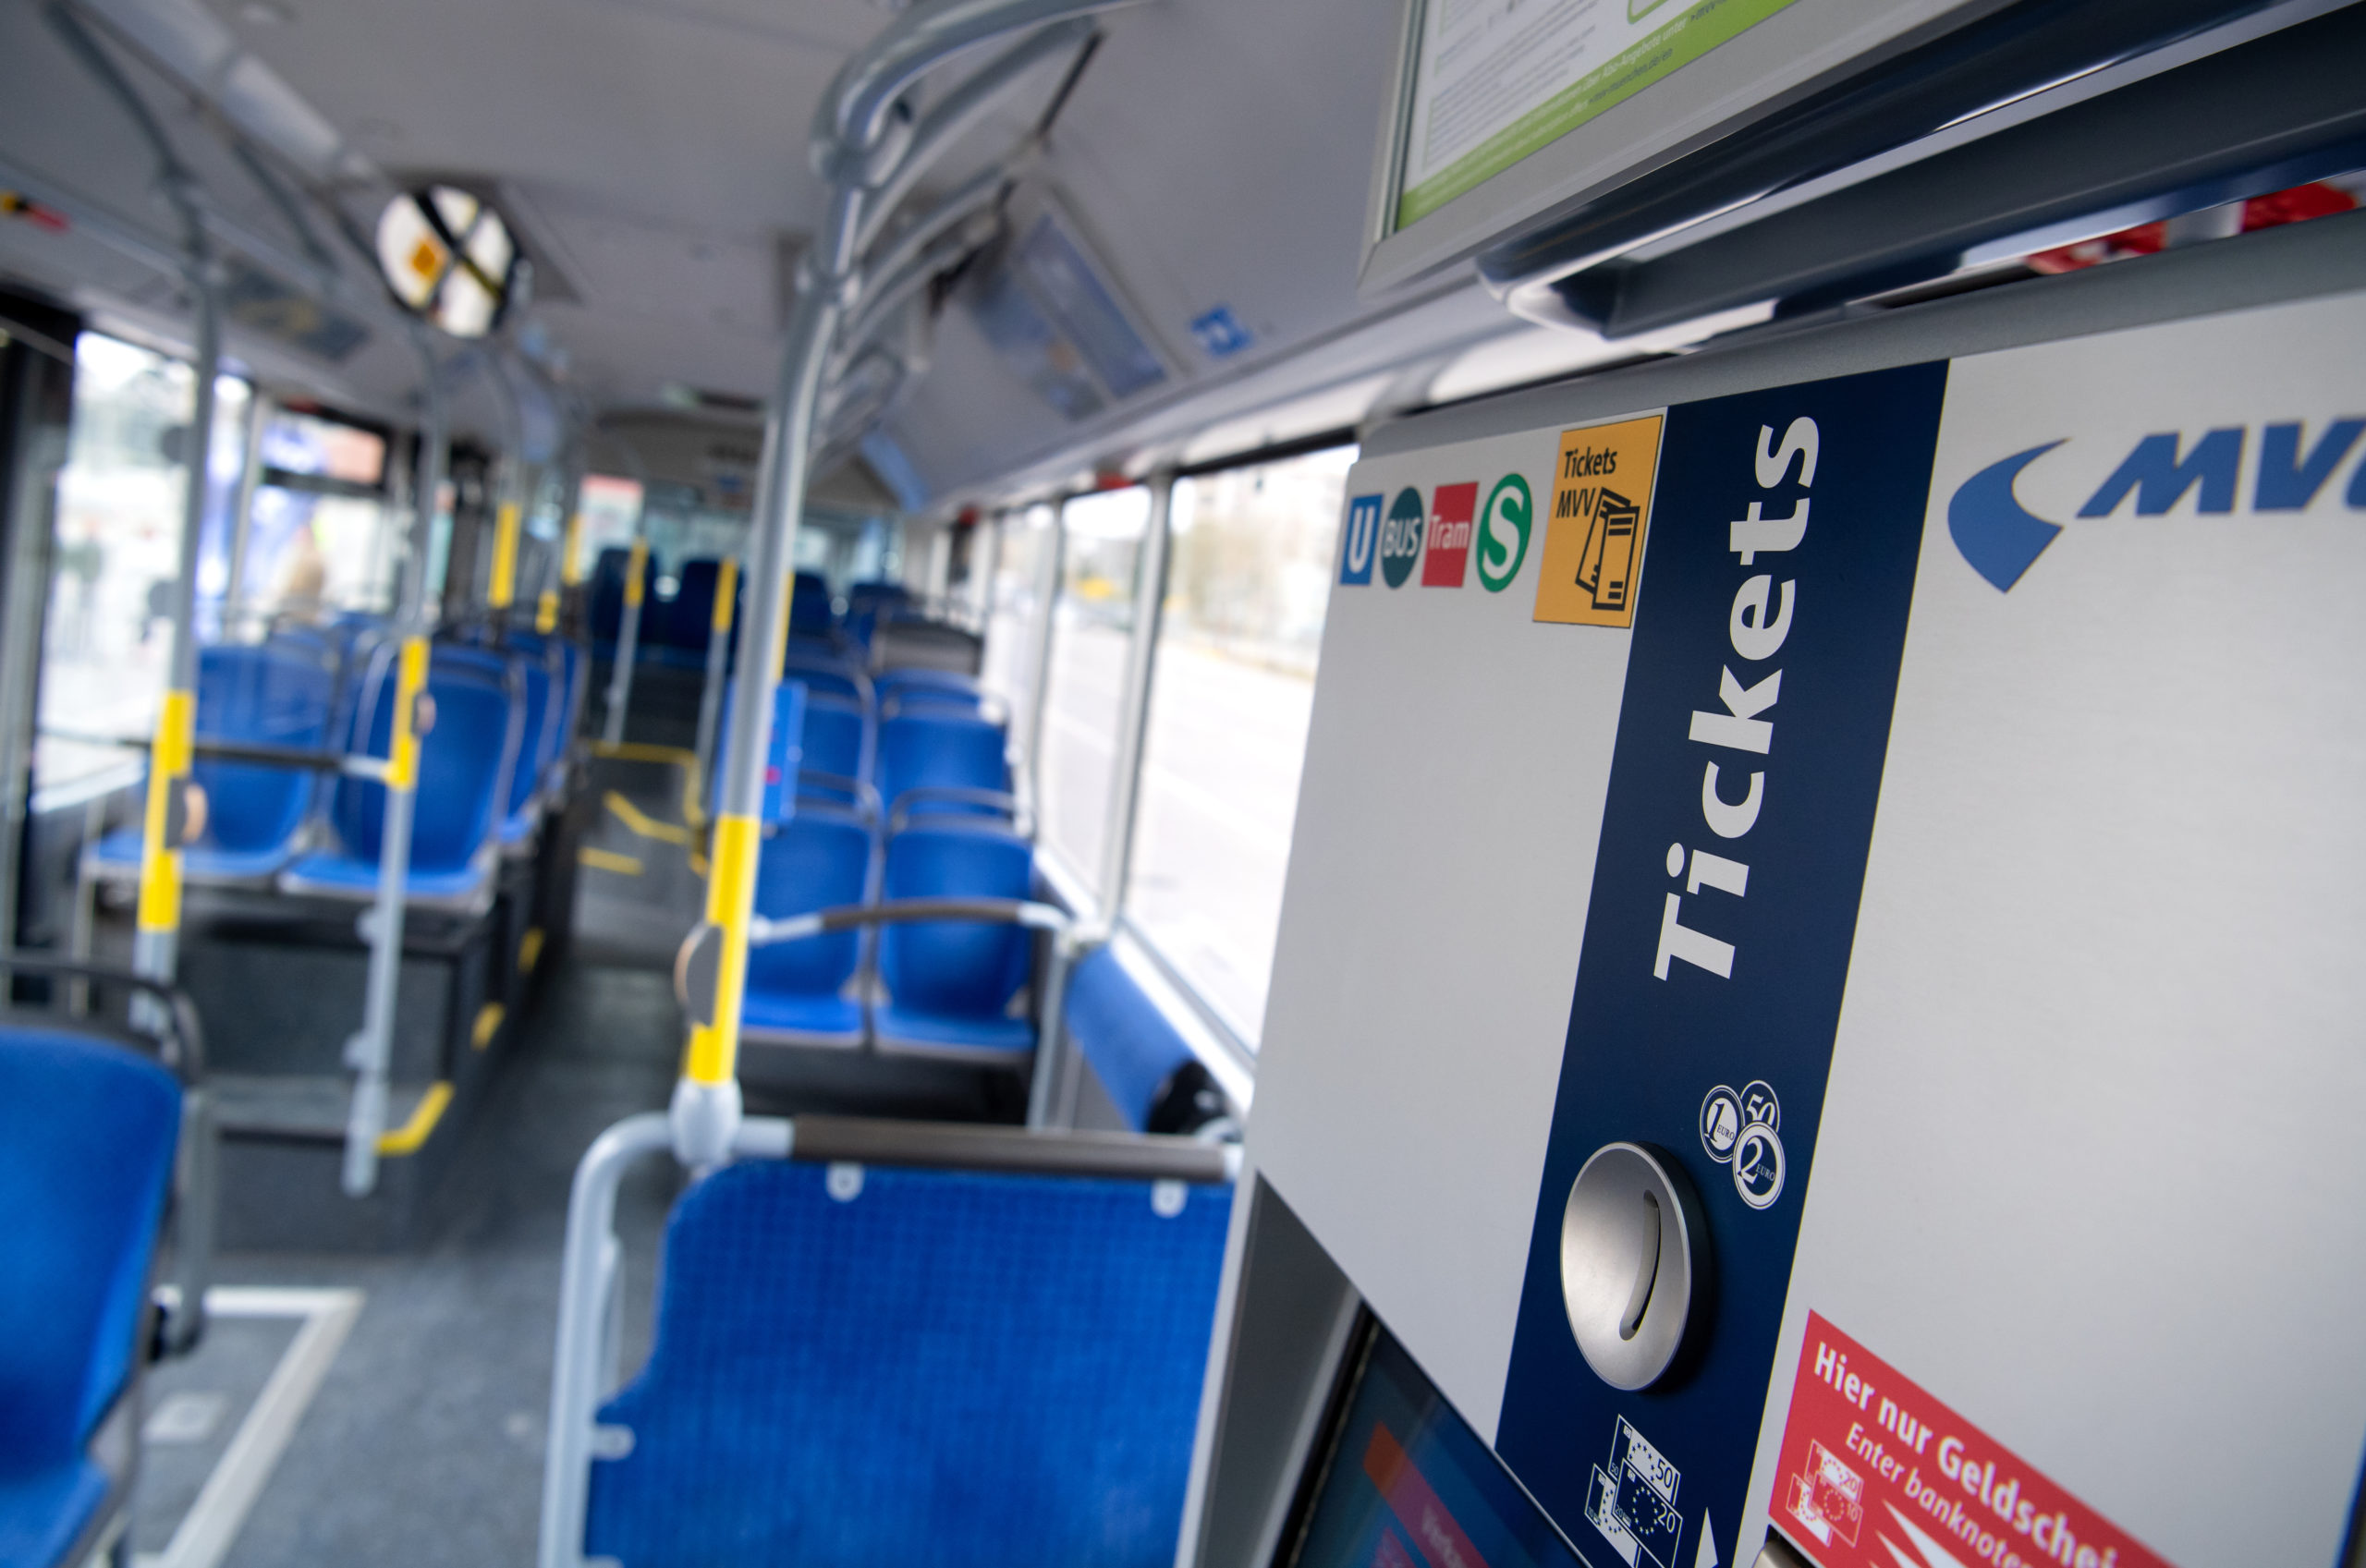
x=1601, y=509
x=1449, y=551
x=1400, y=537
x=1364, y=538
x=1503, y=532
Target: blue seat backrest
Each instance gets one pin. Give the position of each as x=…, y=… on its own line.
x=533, y=750
x=608, y=607
x=87, y=1132
x=835, y=733
x=817, y=860
x=950, y=1368
x=827, y=676
x=956, y=968
x=689, y=615
x=551, y=661
x=276, y=693
x=1133, y=1049
x=784, y=756
x=939, y=750
x=811, y=612
x=463, y=764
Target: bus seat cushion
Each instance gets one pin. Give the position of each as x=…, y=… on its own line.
x=901, y=1028
x=963, y=1370
x=821, y=1020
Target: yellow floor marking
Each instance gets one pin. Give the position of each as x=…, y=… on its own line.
x=642, y=751
x=488, y=1025
x=412, y=1136
x=529, y=948
x=608, y=860
x=641, y=823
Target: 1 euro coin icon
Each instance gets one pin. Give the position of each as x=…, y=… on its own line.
x=1721, y=1123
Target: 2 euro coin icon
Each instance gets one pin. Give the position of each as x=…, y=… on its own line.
x=1758, y=1166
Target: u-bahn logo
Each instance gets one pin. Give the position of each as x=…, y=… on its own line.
x=1449, y=549
x=1400, y=537
x=1601, y=508
x=1362, y=540
x=2000, y=538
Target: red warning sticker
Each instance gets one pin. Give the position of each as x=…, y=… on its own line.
x=1878, y=1473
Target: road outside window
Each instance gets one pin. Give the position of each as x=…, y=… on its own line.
x=1232, y=687
x=1093, y=620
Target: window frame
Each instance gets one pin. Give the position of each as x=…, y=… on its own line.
x=1096, y=894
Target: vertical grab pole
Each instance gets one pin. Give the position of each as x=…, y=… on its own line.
x=628, y=643
x=713, y=967
x=369, y=1052
x=718, y=660
x=155, y=942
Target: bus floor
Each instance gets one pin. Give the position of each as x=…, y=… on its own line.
x=422, y=1441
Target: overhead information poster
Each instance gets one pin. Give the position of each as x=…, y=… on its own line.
x=1498, y=80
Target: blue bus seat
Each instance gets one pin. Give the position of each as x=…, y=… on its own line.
x=951, y=984
x=607, y=596
x=87, y=1137
x=950, y=764
x=1134, y=1049
x=837, y=753
x=687, y=625
x=811, y=611
x=795, y=992
x=784, y=756
x=281, y=692
x=464, y=771
x=956, y=1369
x=526, y=670
x=827, y=673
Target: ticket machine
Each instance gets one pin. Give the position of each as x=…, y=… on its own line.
x=1818, y=1015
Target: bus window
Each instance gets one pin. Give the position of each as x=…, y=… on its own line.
x=1023, y=542
x=1232, y=685
x=116, y=549
x=319, y=537
x=1093, y=620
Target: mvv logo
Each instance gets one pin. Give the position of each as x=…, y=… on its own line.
x=2000, y=538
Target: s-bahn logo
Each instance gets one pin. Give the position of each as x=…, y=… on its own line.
x=1400, y=537
x=1503, y=532
x=2000, y=538
x=1449, y=549
x=1362, y=541
x=1601, y=510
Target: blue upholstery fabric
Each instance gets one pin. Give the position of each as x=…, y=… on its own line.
x=42, y=1512
x=837, y=741
x=463, y=773
x=950, y=1369
x=607, y=609
x=1131, y=1044
x=784, y=755
x=276, y=693
x=952, y=982
x=815, y=860
x=87, y=1132
x=690, y=615
x=828, y=675
x=810, y=610
x=939, y=750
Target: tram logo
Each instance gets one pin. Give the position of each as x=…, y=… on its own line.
x=1361, y=541
x=1503, y=532
x=1593, y=539
x=1400, y=537
x=2001, y=539
x=1449, y=549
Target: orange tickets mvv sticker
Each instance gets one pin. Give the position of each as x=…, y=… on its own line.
x=1593, y=533
x=1875, y=1473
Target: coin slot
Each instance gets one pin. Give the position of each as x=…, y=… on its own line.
x=1647, y=1270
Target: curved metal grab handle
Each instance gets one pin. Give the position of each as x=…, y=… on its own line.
x=850, y=916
